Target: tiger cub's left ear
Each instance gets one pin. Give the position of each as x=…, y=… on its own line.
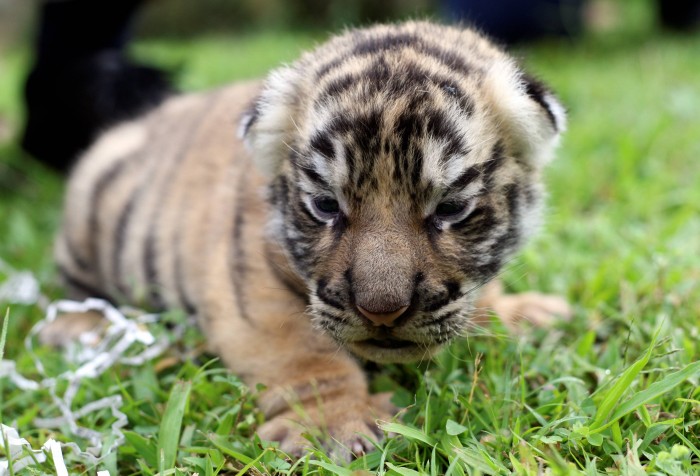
x=538, y=92
x=267, y=127
x=531, y=114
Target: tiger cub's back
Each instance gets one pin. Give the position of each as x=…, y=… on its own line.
x=148, y=191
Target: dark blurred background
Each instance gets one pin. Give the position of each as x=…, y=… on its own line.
x=182, y=18
x=185, y=17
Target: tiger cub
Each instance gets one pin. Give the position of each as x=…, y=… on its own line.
x=375, y=188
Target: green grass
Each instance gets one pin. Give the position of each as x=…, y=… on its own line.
x=616, y=390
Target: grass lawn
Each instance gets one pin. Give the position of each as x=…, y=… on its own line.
x=616, y=390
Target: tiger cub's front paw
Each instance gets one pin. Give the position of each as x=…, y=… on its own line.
x=541, y=310
x=534, y=308
x=343, y=425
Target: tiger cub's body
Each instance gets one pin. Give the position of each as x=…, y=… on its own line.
x=384, y=180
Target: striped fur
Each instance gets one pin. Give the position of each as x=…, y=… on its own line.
x=395, y=166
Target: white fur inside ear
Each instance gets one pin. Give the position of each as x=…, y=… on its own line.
x=246, y=121
x=268, y=128
x=526, y=123
x=557, y=110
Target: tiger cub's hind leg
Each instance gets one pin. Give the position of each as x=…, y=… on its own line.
x=68, y=327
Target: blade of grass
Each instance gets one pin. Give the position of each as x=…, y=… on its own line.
x=657, y=389
x=402, y=471
x=621, y=386
x=616, y=432
x=687, y=442
x=5, y=442
x=222, y=444
x=169, y=432
x=408, y=432
x=644, y=416
x=144, y=447
x=654, y=390
x=337, y=470
x=245, y=468
x=477, y=459
x=3, y=337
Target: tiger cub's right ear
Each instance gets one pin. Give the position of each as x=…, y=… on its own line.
x=267, y=127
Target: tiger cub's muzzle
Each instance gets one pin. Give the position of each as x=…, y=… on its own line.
x=380, y=321
x=387, y=301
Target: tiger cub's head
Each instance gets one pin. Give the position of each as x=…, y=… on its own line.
x=405, y=165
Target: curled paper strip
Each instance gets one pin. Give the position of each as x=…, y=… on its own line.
x=9, y=369
x=19, y=447
x=114, y=344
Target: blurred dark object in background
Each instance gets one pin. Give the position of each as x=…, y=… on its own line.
x=180, y=18
x=81, y=80
x=513, y=21
x=682, y=15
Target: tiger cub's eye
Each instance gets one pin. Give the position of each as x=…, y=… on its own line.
x=450, y=209
x=326, y=207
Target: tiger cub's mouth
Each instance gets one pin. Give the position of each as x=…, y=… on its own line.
x=389, y=349
x=388, y=343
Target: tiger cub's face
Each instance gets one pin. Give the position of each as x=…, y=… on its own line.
x=404, y=164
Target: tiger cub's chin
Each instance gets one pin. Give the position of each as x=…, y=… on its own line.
x=377, y=186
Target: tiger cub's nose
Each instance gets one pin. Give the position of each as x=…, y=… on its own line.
x=382, y=318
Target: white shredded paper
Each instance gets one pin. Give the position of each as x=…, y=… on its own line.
x=93, y=355
x=20, y=288
x=19, y=447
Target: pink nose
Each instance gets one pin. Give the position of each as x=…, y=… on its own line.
x=382, y=318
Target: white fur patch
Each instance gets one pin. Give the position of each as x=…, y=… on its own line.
x=340, y=164
x=437, y=168
x=433, y=161
x=320, y=164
